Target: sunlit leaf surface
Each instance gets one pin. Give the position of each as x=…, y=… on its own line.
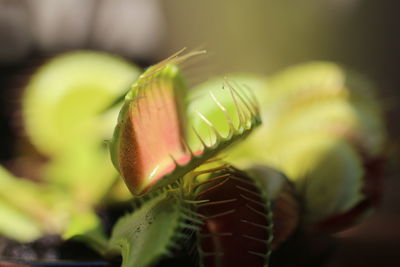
x=64, y=97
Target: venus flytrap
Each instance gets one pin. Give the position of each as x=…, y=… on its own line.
x=150, y=150
x=173, y=147
x=149, y=146
x=152, y=154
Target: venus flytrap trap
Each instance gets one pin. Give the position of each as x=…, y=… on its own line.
x=149, y=147
x=147, y=142
x=237, y=228
x=157, y=163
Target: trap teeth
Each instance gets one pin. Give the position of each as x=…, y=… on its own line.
x=237, y=228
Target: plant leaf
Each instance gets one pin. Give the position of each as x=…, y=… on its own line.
x=63, y=107
x=29, y=210
x=65, y=96
x=149, y=129
x=321, y=96
x=327, y=173
x=149, y=233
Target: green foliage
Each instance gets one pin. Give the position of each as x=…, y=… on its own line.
x=63, y=110
x=319, y=123
x=151, y=231
x=323, y=97
x=63, y=99
x=318, y=130
x=327, y=173
x=29, y=210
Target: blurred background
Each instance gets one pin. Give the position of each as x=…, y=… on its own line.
x=260, y=37
x=241, y=36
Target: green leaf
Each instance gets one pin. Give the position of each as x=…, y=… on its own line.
x=29, y=210
x=149, y=233
x=85, y=172
x=335, y=185
x=301, y=84
x=327, y=172
x=335, y=116
x=17, y=225
x=81, y=222
x=64, y=107
x=321, y=96
x=64, y=115
x=64, y=97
